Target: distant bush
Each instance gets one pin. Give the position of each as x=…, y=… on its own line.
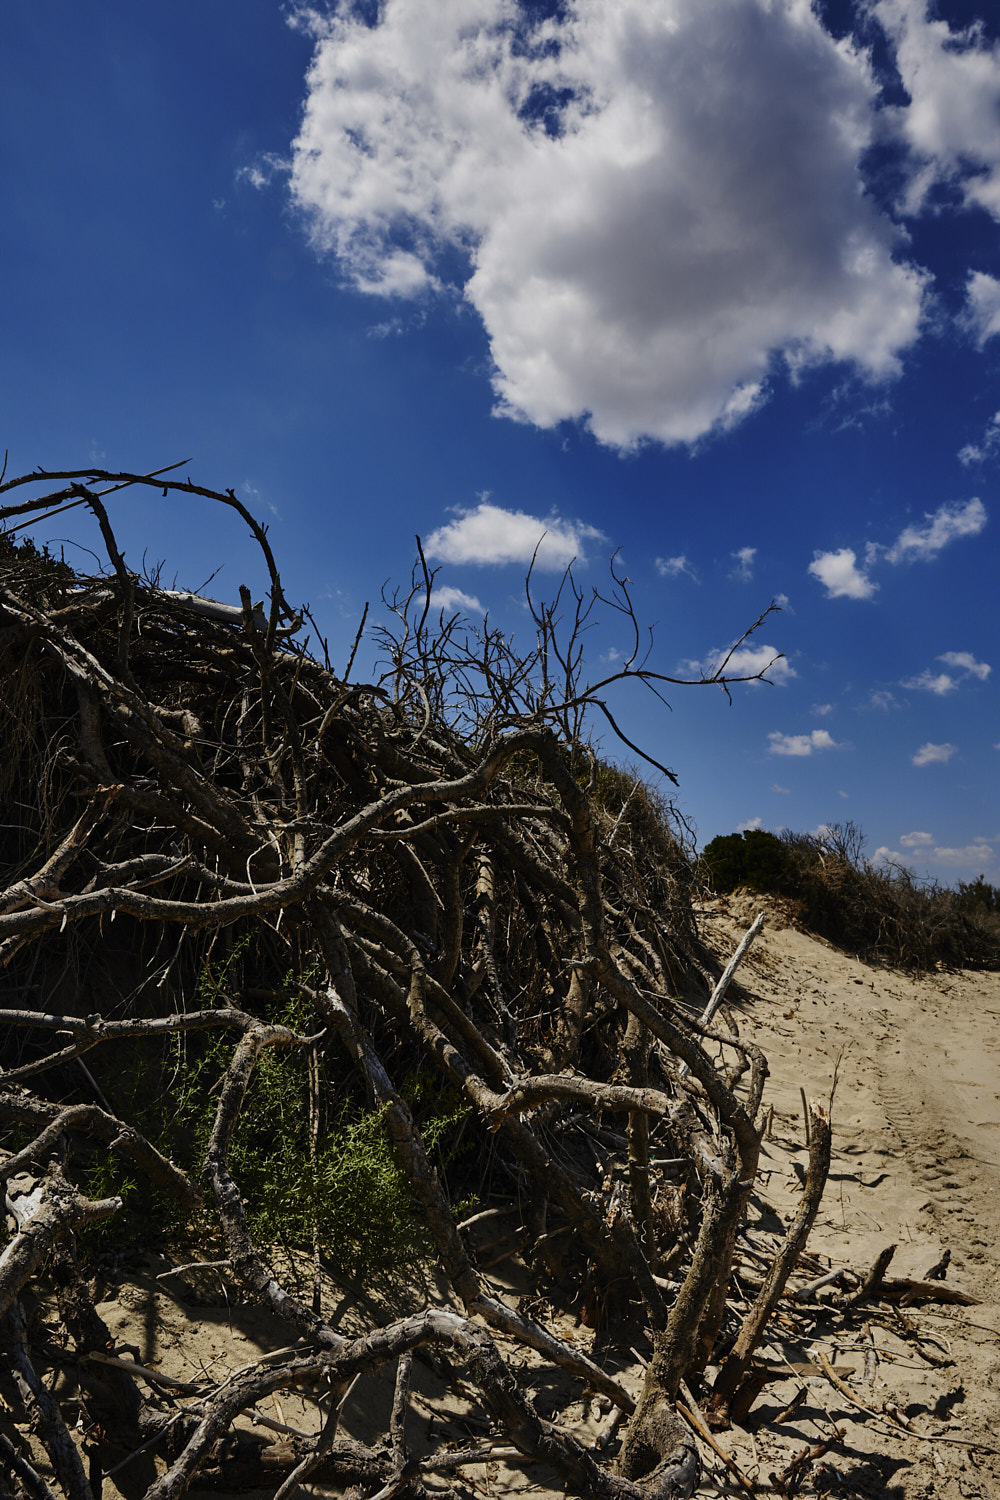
x=754, y=859
x=878, y=912
x=978, y=897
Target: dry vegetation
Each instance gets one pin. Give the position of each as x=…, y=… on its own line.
x=277, y=945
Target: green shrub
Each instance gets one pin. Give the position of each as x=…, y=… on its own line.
x=755, y=859
x=349, y=1191
x=978, y=897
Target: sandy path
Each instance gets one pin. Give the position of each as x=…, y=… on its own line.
x=916, y=1161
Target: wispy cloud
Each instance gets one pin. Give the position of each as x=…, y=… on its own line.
x=931, y=682
x=673, y=567
x=744, y=564
x=979, y=854
x=822, y=709
x=945, y=525
x=989, y=444
x=933, y=755
x=648, y=206
x=749, y=825
x=489, y=534
x=800, y=744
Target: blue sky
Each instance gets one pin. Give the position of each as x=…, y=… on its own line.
x=712, y=282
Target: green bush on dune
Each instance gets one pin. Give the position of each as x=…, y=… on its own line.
x=880, y=912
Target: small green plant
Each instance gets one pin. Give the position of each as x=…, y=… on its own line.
x=347, y=1191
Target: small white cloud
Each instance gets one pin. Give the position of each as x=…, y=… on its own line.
x=747, y=661
x=785, y=791
x=800, y=744
x=932, y=755
x=882, y=698
x=941, y=683
x=782, y=601
x=452, y=600
x=490, y=534
x=844, y=579
x=916, y=840
x=987, y=447
x=744, y=564
x=944, y=525
x=982, y=306
x=964, y=661
x=673, y=567
x=840, y=575
x=753, y=823
x=845, y=795
x=822, y=709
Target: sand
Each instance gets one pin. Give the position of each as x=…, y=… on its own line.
x=916, y=1163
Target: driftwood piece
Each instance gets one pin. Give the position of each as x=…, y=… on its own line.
x=43, y=1411
x=719, y=993
x=44, y=1209
x=736, y=1366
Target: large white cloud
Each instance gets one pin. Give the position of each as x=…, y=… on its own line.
x=687, y=210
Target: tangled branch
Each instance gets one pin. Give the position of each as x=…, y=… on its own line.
x=434, y=865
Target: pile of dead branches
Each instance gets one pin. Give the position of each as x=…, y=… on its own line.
x=447, y=873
